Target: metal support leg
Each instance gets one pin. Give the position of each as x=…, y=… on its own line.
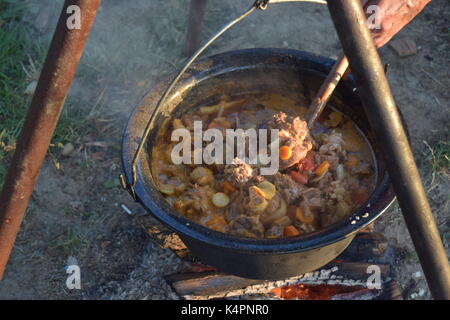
x=379, y=104
x=194, y=31
x=57, y=74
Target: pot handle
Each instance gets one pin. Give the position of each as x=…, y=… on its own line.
x=258, y=4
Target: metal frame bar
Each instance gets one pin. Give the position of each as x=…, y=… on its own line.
x=195, y=21
x=349, y=19
x=54, y=83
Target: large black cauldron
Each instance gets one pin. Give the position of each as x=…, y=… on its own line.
x=234, y=73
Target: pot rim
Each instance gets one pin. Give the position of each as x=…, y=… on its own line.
x=155, y=203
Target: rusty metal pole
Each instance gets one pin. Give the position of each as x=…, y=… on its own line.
x=350, y=22
x=54, y=83
x=195, y=21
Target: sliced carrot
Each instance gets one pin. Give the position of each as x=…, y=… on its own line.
x=290, y=231
x=299, y=177
x=300, y=216
x=352, y=161
x=228, y=187
x=322, y=168
x=217, y=223
x=285, y=153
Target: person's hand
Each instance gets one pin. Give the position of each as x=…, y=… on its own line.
x=394, y=15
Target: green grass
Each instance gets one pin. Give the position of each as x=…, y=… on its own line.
x=13, y=78
x=21, y=57
x=438, y=157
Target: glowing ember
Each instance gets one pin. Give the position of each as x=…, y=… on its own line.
x=314, y=291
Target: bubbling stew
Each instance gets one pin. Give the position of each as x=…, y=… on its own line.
x=324, y=174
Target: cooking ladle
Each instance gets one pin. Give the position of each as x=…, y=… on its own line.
x=318, y=104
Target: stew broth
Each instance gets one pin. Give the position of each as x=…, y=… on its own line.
x=335, y=175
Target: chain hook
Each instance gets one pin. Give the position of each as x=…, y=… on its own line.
x=261, y=4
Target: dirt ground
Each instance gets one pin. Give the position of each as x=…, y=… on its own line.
x=75, y=209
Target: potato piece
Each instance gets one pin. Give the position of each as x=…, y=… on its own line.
x=267, y=189
x=220, y=200
x=257, y=202
x=267, y=218
x=168, y=189
x=352, y=140
x=202, y=176
x=209, y=109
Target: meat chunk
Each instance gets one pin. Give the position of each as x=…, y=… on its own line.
x=240, y=173
x=275, y=210
x=201, y=196
x=322, y=182
x=235, y=209
x=294, y=133
x=289, y=189
x=331, y=150
x=247, y=226
x=202, y=176
x=274, y=231
x=314, y=199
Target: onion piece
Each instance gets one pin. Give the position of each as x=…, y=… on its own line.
x=220, y=200
x=340, y=172
x=267, y=189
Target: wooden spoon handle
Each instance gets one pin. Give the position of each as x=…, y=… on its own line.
x=326, y=90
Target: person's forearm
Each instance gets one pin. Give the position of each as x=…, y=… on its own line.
x=395, y=14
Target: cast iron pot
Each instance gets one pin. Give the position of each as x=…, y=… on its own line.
x=252, y=71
